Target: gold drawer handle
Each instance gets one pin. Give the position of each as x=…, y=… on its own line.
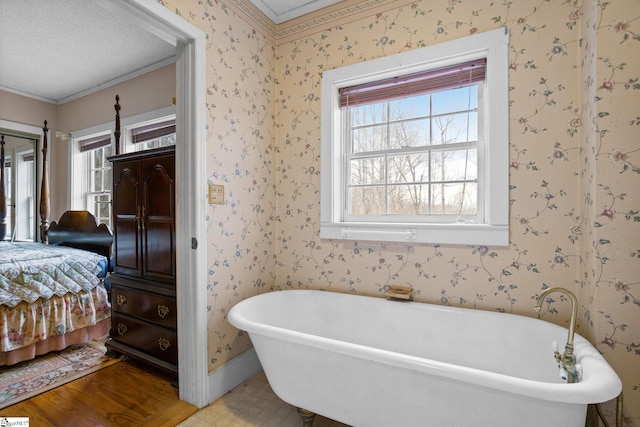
x=163, y=310
x=121, y=300
x=164, y=344
x=122, y=329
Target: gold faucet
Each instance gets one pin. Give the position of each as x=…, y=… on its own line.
x=567, y=360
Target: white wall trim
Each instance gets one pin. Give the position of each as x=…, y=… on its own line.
x=190, y=233
x=190, y=191
x=140, y=119
x=232, y=374
x=22, y=128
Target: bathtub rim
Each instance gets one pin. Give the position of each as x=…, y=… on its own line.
x=602, y=384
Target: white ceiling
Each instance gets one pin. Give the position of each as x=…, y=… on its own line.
x=57, y=51
x=283, y=10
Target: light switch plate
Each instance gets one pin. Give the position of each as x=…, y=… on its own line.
x=216, y=194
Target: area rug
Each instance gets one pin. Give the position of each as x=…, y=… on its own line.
x=27, y=379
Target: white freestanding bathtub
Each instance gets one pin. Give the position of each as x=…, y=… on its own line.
x=369, y=362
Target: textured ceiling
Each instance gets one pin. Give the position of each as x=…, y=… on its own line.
x=55, y=50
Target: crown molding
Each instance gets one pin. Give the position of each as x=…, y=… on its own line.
x=320, y=20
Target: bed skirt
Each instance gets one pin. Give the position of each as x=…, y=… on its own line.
x=56, y=342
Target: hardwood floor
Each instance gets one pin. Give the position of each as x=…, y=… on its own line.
x=125, y=394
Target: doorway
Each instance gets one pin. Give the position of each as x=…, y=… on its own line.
x=190, y=193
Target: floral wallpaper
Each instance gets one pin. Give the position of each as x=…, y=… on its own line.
x=574, y=163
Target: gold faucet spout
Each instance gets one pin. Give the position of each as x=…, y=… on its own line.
x=574, y=308
x=567, y=359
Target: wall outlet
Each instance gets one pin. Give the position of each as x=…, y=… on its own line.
x=216, y=194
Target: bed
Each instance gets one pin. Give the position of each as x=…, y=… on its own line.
x=52, y=293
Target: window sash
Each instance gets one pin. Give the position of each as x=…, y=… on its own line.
x=91, y=194
x=350, y=155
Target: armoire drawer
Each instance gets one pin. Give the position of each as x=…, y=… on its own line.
x=156, y=341
x=158, y=309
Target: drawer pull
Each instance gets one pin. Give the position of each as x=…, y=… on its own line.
x=164, y=344
x=121, y=300
x=163, y=310
x=122, y=329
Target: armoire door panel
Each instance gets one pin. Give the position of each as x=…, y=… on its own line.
x=159, y=227
x=159, y=263
x=126, y=209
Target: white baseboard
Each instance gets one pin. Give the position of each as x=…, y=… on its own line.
x=232, y=374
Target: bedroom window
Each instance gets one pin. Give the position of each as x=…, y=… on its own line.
x=153, y=135
x=90, y=172
x=409, y=153
x=97, y=180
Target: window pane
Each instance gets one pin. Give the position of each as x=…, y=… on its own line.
x=165, y=141
x=97, y=181
x=367, y=200
x=368, y=114
x=408, y=199
x=454, y=165
x=409, y=168
x=454, y=199
x=369, y=139
x=410, y=107
x=448, y=101
x=96, y=158
x=412, y=133
x=453, y=128
x=107, y=179
x=367, y=171
x=103, y=208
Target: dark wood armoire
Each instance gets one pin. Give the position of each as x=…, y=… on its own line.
x=143, y=284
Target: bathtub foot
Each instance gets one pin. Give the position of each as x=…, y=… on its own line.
x=307, y=417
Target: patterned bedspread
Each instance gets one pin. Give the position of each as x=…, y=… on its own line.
x=29, y=271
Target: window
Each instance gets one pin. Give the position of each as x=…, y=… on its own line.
x=97, y=179
x=153, y=135
x=414, y=145
x=91, y=177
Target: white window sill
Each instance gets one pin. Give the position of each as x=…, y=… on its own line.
x=450, y=234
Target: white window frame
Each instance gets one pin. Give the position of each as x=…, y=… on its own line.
x=78, y=171
x=493, y=165
x=128, y=124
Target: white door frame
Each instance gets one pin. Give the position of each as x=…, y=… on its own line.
x=190, y=186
